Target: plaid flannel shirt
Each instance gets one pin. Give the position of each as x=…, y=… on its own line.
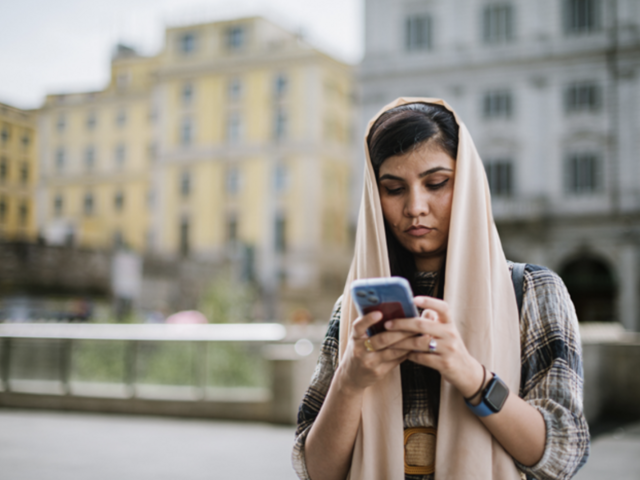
x=551, y=378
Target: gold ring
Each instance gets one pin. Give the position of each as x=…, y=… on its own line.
x=368, y=346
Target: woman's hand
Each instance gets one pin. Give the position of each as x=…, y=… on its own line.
x=361, y=368
x=450, y=355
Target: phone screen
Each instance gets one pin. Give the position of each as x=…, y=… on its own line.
x=390, y=310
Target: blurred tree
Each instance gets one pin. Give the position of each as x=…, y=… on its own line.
x=228, y=301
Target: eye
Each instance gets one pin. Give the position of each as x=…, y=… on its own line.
x=393, y=191
x=436, y=186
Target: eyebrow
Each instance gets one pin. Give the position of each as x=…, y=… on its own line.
x=388, y=176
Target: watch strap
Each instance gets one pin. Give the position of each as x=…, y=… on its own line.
x=481, y=410
x=484, y=408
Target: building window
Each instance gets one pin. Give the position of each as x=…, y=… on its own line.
x=121, y=117
x=61, y=123
x=89, y=158
x=186, y=131
x=581, y=16
x=232, y=228
x=118, y=201
x=60, y=159
x=152, y=150
x=232, y=183
x=498, y=23
x=185, y=184
x=152, y=116
x=500, y=177
x=118, y=240
x=235, y=37
x=3, y=210
x=123, y=79
x=120, y=155
x=5, y=134
x=280, y=230
x=91, y=120
x=58, y=205
x=184, y=237
x=418, y=32
x=583, y=173
x=23, y=213
x=235, y=89
x=24, y=173
x=234, y=127
x=88, y=204
x=26, y=140
x=582, y=97
x=4, y=169
x=280, y=178
x=280, y=124
x=151, y=199
x=187, y=93
x=280, y=85
x=187, y=43
x=497, y=104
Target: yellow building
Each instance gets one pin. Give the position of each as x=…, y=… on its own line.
x=95, y=156
x=255, y=147
x=237, y=138
x=18, y=173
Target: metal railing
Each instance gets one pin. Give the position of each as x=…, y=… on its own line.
x=246, y=371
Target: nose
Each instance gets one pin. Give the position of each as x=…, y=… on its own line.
x=417, y=204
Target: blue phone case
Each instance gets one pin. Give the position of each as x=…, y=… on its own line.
x=390, y=295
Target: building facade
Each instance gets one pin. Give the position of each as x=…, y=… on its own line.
x=549, y=90
x=95, y=159
x=233, y=144
x=18, y=173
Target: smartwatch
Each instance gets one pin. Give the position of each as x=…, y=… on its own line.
x=493, y=397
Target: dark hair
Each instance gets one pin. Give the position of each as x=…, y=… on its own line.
x=396, y=132
x=404, y=128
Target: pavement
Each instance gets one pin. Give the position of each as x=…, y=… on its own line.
x=614, y=456
x=42, y=445
x=39, y=445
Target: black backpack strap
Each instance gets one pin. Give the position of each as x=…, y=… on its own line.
x=517, y=277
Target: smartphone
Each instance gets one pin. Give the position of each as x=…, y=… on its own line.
x=390, y=295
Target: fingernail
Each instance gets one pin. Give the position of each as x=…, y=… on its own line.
x=377, y=315
x=388, y=325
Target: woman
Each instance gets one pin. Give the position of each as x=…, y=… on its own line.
x=426, y=215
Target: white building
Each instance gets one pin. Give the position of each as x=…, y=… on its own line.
x=550, y=90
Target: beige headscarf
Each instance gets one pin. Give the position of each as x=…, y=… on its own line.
x=480, y=294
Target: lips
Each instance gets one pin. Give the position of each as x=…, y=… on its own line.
x=418, y=230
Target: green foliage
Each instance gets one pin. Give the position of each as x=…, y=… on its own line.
x=236, y=365
x=228, y=364
x=228, y=301
x=99, y=361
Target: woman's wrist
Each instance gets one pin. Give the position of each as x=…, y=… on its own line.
x=473, y=382
x=344, y=384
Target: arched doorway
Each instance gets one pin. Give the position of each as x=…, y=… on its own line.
x=592, y=288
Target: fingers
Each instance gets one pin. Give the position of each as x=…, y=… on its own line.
x=426, y=359
x=418, y=326
x=388, y=339
x=393, y=355
x=440, y=307
x=423, y=344
x=361, y=324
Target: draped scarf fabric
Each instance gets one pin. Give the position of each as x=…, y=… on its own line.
x=482, y=304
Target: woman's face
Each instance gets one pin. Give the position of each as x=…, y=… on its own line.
x=416, y=191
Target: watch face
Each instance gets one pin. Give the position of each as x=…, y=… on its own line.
x=496, y=394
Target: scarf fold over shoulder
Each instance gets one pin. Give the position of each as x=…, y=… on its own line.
x=480, y=295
